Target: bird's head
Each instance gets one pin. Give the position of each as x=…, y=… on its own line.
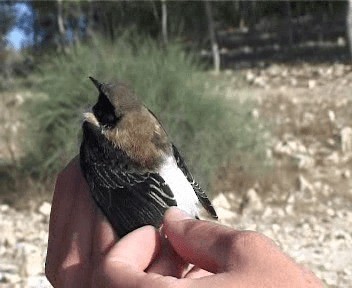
x=114, y=101
x=127, y=124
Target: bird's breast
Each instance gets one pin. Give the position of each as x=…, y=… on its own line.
x=184, y=194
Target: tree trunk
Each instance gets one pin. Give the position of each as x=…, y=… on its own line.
x=164, y=21
x=288, y=13
x=60, y=25
x=212, y=34
x=349, y=26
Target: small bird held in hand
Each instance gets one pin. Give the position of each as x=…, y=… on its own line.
x=133, y=170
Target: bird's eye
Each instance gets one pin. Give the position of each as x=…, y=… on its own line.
x=108, y=119
x=104, y=111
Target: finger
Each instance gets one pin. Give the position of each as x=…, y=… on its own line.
x=167, y=262
x=137, y=248
x=204, y=244
x=125, y=264
x=78, y=237
x=61, y=210
x=71, y=224
x=80, y=227
x=104, y=237
x=197, y=272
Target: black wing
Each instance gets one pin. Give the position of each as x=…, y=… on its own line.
x=128, y=199
x=202, y=197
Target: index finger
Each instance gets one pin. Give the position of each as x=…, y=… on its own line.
x=202, y=243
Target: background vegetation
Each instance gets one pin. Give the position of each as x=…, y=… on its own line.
x=166, y=62
x=207, y=128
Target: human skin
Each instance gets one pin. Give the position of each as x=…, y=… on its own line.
x=83, y=250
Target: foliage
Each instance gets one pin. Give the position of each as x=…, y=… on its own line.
x=81, y=19
x=207, y=128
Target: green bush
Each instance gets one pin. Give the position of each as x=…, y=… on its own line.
x=207, y=128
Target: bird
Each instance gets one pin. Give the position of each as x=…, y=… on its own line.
x=133, y=170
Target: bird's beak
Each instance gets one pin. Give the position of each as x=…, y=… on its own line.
x=96, y=83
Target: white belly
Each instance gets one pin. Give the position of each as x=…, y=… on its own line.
x=184, y=194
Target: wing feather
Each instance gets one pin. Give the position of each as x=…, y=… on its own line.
x=129, y=200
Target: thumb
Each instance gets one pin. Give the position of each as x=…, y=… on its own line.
x=202, y=243
x=126, y=261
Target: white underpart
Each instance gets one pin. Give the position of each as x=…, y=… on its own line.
x=184, y=194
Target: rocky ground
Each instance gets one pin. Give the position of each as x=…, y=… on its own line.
x=305, y=206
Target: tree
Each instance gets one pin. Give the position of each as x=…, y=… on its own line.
x=164, y=21
x=212, y=34
x=8, y=19
x=349, y=25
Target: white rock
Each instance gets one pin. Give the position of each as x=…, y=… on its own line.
x=305, y=162
x=289, y=209
x=252, y=201
x=38, y=282
x=333, y=158
x=250, y=76
x=19, y=99
x=221, y=201
x=330, y=212
x=331, y=115
x=32, y=259
x=225, y=216
x=312, y=83
x=346, y=139
x=267, y=212
x=346, y=174
x=276, y=228
x=45, y=208
x=304, y=185
x=4, y=207
x=11, y=278
x=7, y=235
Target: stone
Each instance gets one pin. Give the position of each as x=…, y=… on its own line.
x=252, y=201
x=305, y=161
x=267, y=212
x=330, y=212
x=304, y=185
x=346, y=174
x=7, y=236
x=312, y=84
x=332, y=116
x=4, y=207
x=32, y=259
x=38, y=281
x=346, y=139
x=45, y=208
x=289, y=209
x=225, y=216
x=221, y=201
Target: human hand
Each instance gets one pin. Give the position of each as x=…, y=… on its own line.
x=80, y=236
x=82, y=250
x=236, y=258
